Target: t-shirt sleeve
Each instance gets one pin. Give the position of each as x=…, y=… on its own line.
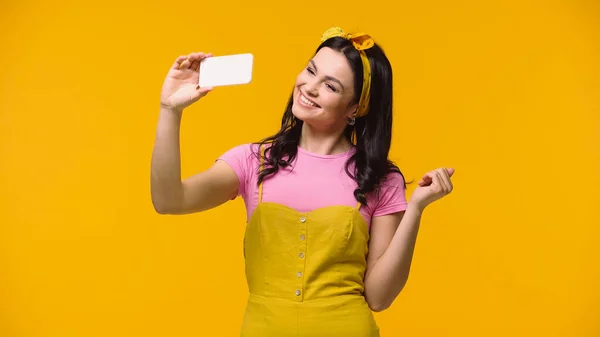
x=240, y=159
x=391, y=197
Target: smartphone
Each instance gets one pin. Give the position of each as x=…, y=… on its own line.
x=226, y=70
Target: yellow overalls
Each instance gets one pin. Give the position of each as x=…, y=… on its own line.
x=305, y=272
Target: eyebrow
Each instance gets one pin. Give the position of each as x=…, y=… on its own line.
x=331, y=78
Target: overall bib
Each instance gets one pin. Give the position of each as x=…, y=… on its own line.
x=305, y=272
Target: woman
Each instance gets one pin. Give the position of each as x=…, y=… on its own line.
x=329, y=235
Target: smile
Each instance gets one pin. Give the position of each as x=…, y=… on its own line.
x=303, y=100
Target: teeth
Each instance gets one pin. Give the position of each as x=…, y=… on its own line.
x=306, y=101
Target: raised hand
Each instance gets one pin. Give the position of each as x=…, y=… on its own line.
x=433, y=186
x=180, y=88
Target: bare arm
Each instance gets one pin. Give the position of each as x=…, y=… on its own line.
x=205, y=190
x=393, y=239
x=391, y=249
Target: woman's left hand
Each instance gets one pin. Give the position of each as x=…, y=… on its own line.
x=433, y=186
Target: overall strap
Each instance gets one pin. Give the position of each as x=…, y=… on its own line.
x=260, y=186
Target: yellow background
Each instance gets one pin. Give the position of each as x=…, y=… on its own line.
x=507, y=92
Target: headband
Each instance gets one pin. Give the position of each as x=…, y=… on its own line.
x=360, y=41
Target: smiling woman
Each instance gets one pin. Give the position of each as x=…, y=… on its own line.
x=330, y=234
x=328, y=106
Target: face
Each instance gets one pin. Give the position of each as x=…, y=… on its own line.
x=324, y=93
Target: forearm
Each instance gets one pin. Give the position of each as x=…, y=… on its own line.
x=166, y=186
x=388, y=276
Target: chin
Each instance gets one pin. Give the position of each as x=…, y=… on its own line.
x=303, y=114
x=300, y=115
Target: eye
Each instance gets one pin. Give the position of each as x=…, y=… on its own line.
x=309, y=69
x=331, y=87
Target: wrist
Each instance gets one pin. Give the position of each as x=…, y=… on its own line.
x=416, y=207
x=169, y=111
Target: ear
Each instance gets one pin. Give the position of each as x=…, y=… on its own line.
x=352, y=109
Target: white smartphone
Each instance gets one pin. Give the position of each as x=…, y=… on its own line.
x=226, y=70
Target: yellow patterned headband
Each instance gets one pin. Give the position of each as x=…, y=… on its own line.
x=360, y=41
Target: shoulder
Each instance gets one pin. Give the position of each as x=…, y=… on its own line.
x=393, y=180
x=242, y=158
x=244, y=161
x=247, y=152
x=390, y=197
x=392, y=186
x=247, y=155
x=241, y=150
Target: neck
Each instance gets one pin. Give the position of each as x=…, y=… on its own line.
x=324, y=142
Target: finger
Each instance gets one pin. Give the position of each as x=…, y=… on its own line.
x=186, y=63
x=199, y=93
x=449, y=173
x=445, y=178
x=207, y=89
x=195, y=65
x=196, y=59
x=442, y=177
x=438, y=183
x=196, y=56
x=426, y=179
x=178, y=61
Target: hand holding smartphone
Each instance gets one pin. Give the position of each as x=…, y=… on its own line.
x=226, y=70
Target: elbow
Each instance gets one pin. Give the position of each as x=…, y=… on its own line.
x=378, y=306
x=163, y=208
x=378, y=303
x=381, y=301
x=162, y=211
x=167, y=202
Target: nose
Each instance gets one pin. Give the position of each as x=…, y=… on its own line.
x=311, y=88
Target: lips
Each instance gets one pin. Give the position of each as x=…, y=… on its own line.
x=302, y=99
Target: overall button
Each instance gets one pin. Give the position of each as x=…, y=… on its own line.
x=297, y=292
x=299, y=274
x=302, y=219
x=302, y=237
x=301, y=255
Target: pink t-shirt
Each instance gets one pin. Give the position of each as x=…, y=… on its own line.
x=313, y=181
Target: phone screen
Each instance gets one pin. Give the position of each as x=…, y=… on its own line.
x=226, y=70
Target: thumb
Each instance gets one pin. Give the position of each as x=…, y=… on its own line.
x=201, y=92
x=450, y=171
